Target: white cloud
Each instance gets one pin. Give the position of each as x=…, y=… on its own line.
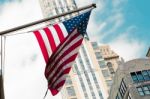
x=18, y=13
x=24, y=78
x=126, y=47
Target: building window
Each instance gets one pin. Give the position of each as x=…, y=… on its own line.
x=98, y=55
x=71, y=91
x=140, y=91
x=146, y=75
x=140, y=76
x=117, y=97
x=105, y=73
x=129, y=96
x=144, y=90
x=109, y=82
x=134, y=77
x=109, y=64
x=102, y=64
x=94, y=45
x=122, y=88
x=68, y=81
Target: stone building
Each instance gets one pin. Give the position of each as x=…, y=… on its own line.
x=132, y=80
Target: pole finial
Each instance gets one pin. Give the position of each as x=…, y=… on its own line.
x=94, y=5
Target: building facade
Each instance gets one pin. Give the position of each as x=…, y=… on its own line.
x=111, y=60
x=132, y=80
x=55, y=7
x=86, y=81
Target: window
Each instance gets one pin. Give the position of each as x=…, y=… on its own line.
x=105, y=73
x=129, y=96
x=146, y=75
x=102, y=64
x=71, y=91
x=109, y=64
x=117, y=97
x=122, y=88
x=109, y=82
x=140, y=91
x=144, y=90
x=68, y=80
x=94, y=45
x=134, y=77
x=140, y=76
x=98, y=55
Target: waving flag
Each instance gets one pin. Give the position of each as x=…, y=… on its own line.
x=59, y=45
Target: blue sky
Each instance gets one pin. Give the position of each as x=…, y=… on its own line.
x=118, y=18
x=123, y=24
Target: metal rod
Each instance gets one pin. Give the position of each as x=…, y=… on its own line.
x=46, y=19
x=1, y=74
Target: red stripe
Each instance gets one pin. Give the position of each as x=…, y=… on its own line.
x=62, y=44
x=50, y=38
x=55, y=62
x=55, y=54
x=63, y=55
x=60, y=84
x=59, y=32
x=53, y=91
x=72, y=58
x=66, y=71
x=42, y=45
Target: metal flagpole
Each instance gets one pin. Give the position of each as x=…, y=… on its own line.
x=1, y=72
x=46, y=19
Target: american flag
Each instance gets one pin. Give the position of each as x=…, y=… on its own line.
x=60, y=45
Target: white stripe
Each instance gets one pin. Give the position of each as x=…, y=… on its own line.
x=65, y=33
x=75, y=51
x=71, y=35
x=60, y=80
x=62, y=46
x=46, y=42
x=55, y=35
x=64, y=68
x=67, y=47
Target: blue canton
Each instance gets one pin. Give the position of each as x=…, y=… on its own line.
x=80, y=22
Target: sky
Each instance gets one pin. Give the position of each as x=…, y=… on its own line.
x=122, y=24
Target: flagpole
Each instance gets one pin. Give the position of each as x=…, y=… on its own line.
x=1, y=73
x=46, y=19
x=1, y=87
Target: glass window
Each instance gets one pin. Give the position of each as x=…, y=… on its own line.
x=105, y=73
x=71, y=91
x=134, y=77
x=148, y=72
x=94, y=45
x=146, y=75
x=109, y=82
x=140, y=76
x=140, y=91
x=98, y=55
x=122, y=88
x=117, y=97
x=102, y=64
x=146, y=90
x=68, y=80
x=129, y=96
